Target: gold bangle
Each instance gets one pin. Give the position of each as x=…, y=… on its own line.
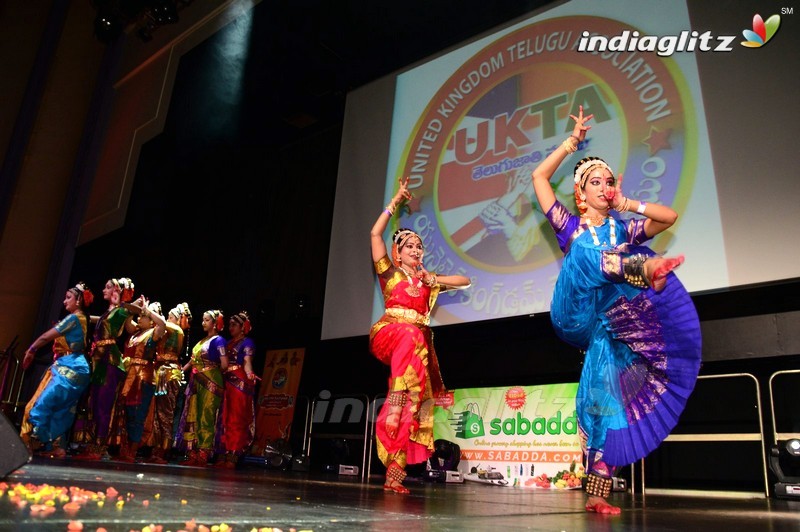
x=568, y=146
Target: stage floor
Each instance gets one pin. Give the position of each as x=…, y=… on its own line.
x=254, y=498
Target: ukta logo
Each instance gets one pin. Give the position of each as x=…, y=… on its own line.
x=472, y=150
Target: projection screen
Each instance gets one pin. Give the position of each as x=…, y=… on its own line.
x=469, y=126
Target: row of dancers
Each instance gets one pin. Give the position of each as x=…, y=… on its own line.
x=138, y=397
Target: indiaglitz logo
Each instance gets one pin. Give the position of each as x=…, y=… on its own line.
x=663, y=45
x=762, y=31
x=685, y=41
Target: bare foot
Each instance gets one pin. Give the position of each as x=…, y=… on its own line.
x=657, y=268
x=601, y=506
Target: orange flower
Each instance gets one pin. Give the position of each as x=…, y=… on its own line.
x=71, y=508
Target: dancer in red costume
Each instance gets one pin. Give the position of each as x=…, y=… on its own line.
x=238, y=408
x=402, y=339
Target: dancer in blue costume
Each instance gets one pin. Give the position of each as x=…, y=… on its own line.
x=51, y=410
x=619, y=302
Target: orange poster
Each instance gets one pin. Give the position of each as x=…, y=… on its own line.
x=277, y=397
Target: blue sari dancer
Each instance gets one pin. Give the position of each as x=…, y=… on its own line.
x=51, y=411
x=619, y=302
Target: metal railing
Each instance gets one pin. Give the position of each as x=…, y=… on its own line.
x=306, y=423
x=362, y=435
x=721, y=438
x=776, y=436
x=11, y=383
x=372, y=418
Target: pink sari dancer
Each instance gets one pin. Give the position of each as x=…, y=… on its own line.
x=237, y=421
x=403, y=340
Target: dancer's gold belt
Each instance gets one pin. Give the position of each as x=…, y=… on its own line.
x=409, y=315
x=105, y=341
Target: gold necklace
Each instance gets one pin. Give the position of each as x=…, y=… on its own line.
x=412, y=289
x=597, y=221
x=612, y=232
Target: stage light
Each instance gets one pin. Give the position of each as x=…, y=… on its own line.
x=783, y=458
x=165, y=12
x=107, y=27
x=793, y=447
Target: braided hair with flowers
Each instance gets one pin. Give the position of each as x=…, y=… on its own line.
x=218, y=319
x=83, y=294
x=125, y=288
x=243, y=319
x=182, y=313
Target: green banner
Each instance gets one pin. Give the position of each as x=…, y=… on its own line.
x=520, y=431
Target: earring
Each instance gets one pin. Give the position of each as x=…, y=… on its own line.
x=583, y=197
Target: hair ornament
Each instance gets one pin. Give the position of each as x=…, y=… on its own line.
x=181, y=311
x=218, y=319
x=585, y=165
x=82, y=292
x=155, y=308
x=401, y=235
x=125, y=287
x=243, y=319
x=399, y=239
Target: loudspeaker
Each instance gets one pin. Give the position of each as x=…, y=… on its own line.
x=14, y=454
